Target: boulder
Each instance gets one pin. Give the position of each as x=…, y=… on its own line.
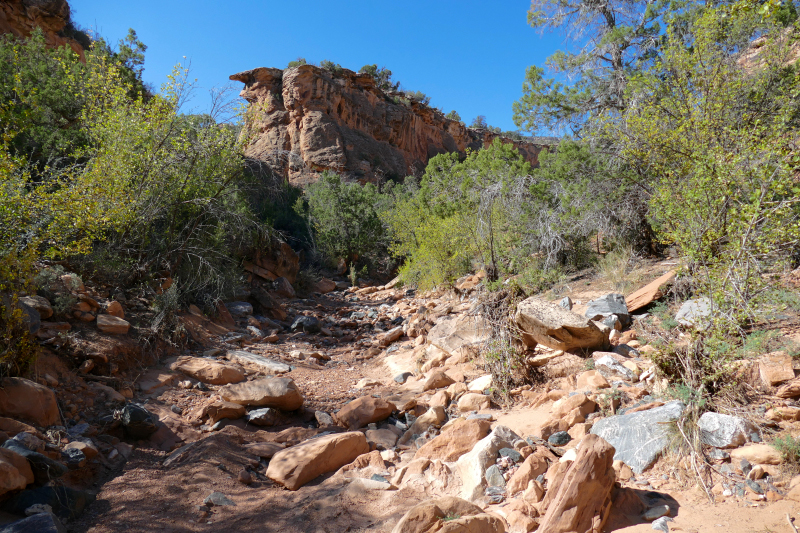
x=325, y=286
x=39, y=303
x=553, y=326
x=38, y=523
x=114, y=308
x=756, y=454
x=113, y=325
x=383, y=439
x=578, y=403
x=264, y=417
x=363, y=411
x=66, y=503
x=138, y=422
x=474, y=401
x=639, y=438
x=725, y=431
x=458, y=438
x=390, y=336
x=25, y=399
x=471, y=467
x=262, y=363
x=208, y=371
x=775, y=368
x=429, y=516
x=480, y=384
x=479, y=523
x=294, y=467
x=605, y=306
x=649, y=293
x=15, y=472
x=694, y=313
x=453, y=332
x=280, y=393
x=582, y=500
x=789, y=390
x=218, y=410
x=284, y=288
x=437, y=380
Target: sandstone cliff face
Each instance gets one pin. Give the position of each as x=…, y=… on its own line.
x=304, y=120
x=21, y=17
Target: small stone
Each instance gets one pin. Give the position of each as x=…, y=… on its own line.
x=401, y=378
x=656, y=512
x=566, y=303
x=494, y=477
x=264, y=417
x=560, y=438
x=218, y=499
x=511, y=453
x=245, y=477
x=323, y=419
x=753, y=486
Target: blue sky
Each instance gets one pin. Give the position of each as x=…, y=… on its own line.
x=467, y=55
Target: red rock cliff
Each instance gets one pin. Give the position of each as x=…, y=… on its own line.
x=21, y=17
x=304, y=120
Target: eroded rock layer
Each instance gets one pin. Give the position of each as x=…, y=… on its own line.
x=21, y=17
x=305, y=120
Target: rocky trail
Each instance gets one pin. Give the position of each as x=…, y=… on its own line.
x=370, y=409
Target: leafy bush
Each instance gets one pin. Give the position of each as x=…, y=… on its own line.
x=382, y=77
x=297, y=62
x=479, y=122
x=789, y=448
x=419, y=96
x=330, y=66
x=453, y=115
x=344, y=219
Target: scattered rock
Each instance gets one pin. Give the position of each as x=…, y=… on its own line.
x=639, y=438
x=67, y=504
x=264, y=417
x=264, y=364
x=560, y=438
x=239, y=308
x=549, y=324
x=775, y=368
x=296, y=466
x=429, y=516
x=308, y=324
x=363, y=411
x=432, y=417
x=284, y=288
x=383, y=439
x=458, y=438
x=763, y=454
x=437, y=380
x=472, y=466
x=480, y=384
x=605, y=306
x=611, y=368
x=40, y=304
x=323, y=419
x=113, y=325
x=725, y=431
x=219, y=500
x=474, y=401
x=402, y=377
x=453, y=332
x=566, y=303
x=208, y=371
x=592, y=380
x=280, y=393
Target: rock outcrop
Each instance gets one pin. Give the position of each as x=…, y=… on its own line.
x=22, y=17
x=305, y=120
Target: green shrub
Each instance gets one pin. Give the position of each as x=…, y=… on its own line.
x=297, y=62
x=453, y=115
x=789, y=448
x=330, y=66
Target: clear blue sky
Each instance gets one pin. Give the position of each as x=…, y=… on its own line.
x=468, y=55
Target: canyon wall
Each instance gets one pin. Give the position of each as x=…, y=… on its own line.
x=21, y=17
x=305, y=120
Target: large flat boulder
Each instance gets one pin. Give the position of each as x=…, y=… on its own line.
x=363, y=411
x=208, y=371
x=639, y=438
x=280, y=393
x=262, y=363
x=582, y=499
x=553, y=326
x=649, y=293
x=456, y=331
x=30, y=401
x=296, y=466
